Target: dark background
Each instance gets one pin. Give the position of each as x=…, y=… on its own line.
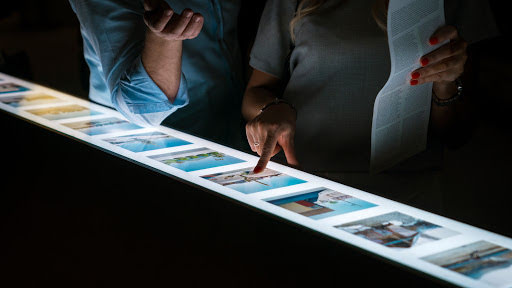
x=137, y=231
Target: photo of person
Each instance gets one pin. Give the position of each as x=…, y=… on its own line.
x=102, y=126
x=11, y=88
x=197, y=159
x=29, y=99
x=481, y=260
x=321, y=203
x=245, y=181
x=64, y=112
x=146, y=141
x=397, y=230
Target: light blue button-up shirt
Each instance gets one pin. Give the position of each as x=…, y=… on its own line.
x=210, y=92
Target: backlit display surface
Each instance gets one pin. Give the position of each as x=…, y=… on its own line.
x=443, y=248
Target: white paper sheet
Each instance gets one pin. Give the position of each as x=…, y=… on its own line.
x=401, y=112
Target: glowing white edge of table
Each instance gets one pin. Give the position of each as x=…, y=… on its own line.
x=409, y=257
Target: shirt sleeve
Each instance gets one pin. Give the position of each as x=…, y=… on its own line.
x=272, y=44
x=115, y=30
x=473, y=18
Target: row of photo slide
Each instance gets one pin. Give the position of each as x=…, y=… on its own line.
x=61, y=110
x=481, y=260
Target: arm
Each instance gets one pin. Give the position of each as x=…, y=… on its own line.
x=114, y=34
x=273, y=129
x=163, y=45
x=262, y=89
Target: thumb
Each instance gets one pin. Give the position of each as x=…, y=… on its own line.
x=289, y=151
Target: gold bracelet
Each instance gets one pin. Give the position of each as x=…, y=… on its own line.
x=277, y=101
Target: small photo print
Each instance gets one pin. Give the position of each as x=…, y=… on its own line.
x=102, y=126
x=397, y=230
x=245, y=181
x=29, y=100
x=146, y=141
x=64, y=112
x=321, y=203
x=197, y=159
x=483, y=261
x=11, y=88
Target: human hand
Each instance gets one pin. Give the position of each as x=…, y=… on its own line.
x=445, y=64
x=271, y=131
x=165, y=23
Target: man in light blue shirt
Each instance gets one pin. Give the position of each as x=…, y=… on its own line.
x=155, y=65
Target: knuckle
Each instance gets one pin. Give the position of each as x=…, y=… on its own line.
x=272, y=127
x=453, y=30
x=444, y=66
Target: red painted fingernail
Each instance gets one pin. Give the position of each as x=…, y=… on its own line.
x=414, y=82
x=415, y=75
x=257, y=170
x=424, y=62
x=433, y=40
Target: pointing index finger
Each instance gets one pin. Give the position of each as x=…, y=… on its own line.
x=266, y=153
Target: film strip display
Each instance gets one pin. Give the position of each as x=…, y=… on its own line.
x=443, y=248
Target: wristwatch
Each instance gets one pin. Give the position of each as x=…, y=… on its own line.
x=457, y=95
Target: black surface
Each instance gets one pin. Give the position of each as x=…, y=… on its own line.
x=75, y=216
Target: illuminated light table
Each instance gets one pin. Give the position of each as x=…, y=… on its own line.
x=269, y=233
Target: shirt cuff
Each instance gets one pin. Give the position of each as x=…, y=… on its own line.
x=138, y=97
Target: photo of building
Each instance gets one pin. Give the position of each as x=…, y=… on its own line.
x=102, y=126
x=321, y=203
x=481, y=260
x=146, y=141
x=29, y=99
x=397, y=230
x=11, y=88
x=64, y=112
x=196, y=159
x=247, y=182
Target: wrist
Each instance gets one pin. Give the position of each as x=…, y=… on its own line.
x=445, y=95
x=158, y=38
x=277, y=102
x=444, y=90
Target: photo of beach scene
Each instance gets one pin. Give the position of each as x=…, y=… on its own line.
x=29, y=99
x=197, y=159
x=11, y=88
x=321, y=203
x=397, y=230
x=483, y=261
x=146, y=141
x=245, y=181
x=102, y=126
x=63, y=112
